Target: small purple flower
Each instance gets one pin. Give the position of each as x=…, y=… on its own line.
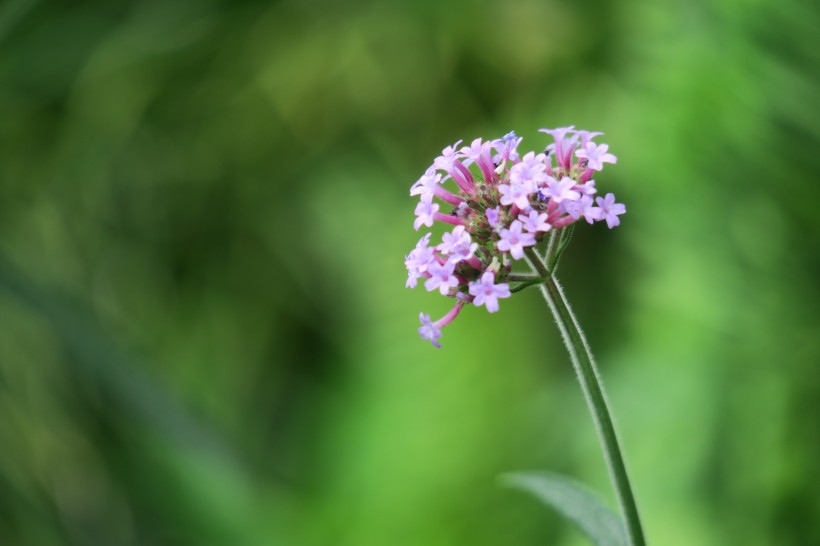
x=506, y=147
x=479, y=152
x=492, y=216
x=588, y=188
x=535, y=222
x=560, y=140
x=418, y=260
x=516, y=194
x=448, y=155
x=610, y=210
x=426, y=185
x=457, y=245
x=596, y=155
x=559, y=133
x=476, y=149
x=530, y=171
x=586, y=136
x=441, y=277
x=514, y=241
x=583, y=207
x=429, y=330
x=486, y=292
x=425, y=212
x=560, y=191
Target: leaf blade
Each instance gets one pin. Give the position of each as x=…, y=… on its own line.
x=575, y=502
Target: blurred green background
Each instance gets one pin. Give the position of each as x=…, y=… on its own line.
x=205, y=337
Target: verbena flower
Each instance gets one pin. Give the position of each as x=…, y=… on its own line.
x=501, y=201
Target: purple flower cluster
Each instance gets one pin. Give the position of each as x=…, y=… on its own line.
x=501, y=203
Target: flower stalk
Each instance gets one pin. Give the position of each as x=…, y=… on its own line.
x=592, y=386
x=505, y=208
x=505, y=201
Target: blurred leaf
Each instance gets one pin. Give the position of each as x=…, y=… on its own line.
x=11, y=13
x=573, y=501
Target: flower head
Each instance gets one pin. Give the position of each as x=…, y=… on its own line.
x=499, y=203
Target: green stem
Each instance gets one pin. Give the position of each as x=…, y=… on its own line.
x=593, y=388
x=519, y=277
x=527, y=284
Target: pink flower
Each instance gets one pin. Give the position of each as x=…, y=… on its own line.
x=588, y=188
x=560, y=191
x=431, y=331
x=583, y=207
x=425, y=212
x=492, y=216
x=418, y=260
x=426, y=185
x=514, y=241
x=535, y=222
x=516, y=194
x=506, y=147
x=610, y=210
x=561, y=142
x=457, y=245
x=595, y=155
x=441, y=277
x=530, y=171
x=486, y=292
x=478, y=152
x=448, y=155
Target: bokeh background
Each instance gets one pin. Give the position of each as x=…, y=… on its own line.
x=205, y=337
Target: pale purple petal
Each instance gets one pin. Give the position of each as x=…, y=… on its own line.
x=486, y=292
x=448, y=155
x=441, y=277
x=516, y=194
x=610, y=210
x=457, y=245
x=513, y=240
x=596, y=155
x=429, y=330
x=561, y=190
x=535, y=222
x=492, y=216
x=426, y=185
x=583, y=207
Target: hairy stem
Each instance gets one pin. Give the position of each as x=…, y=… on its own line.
x=584, y=364
x=519, y=277
x=526, y=284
